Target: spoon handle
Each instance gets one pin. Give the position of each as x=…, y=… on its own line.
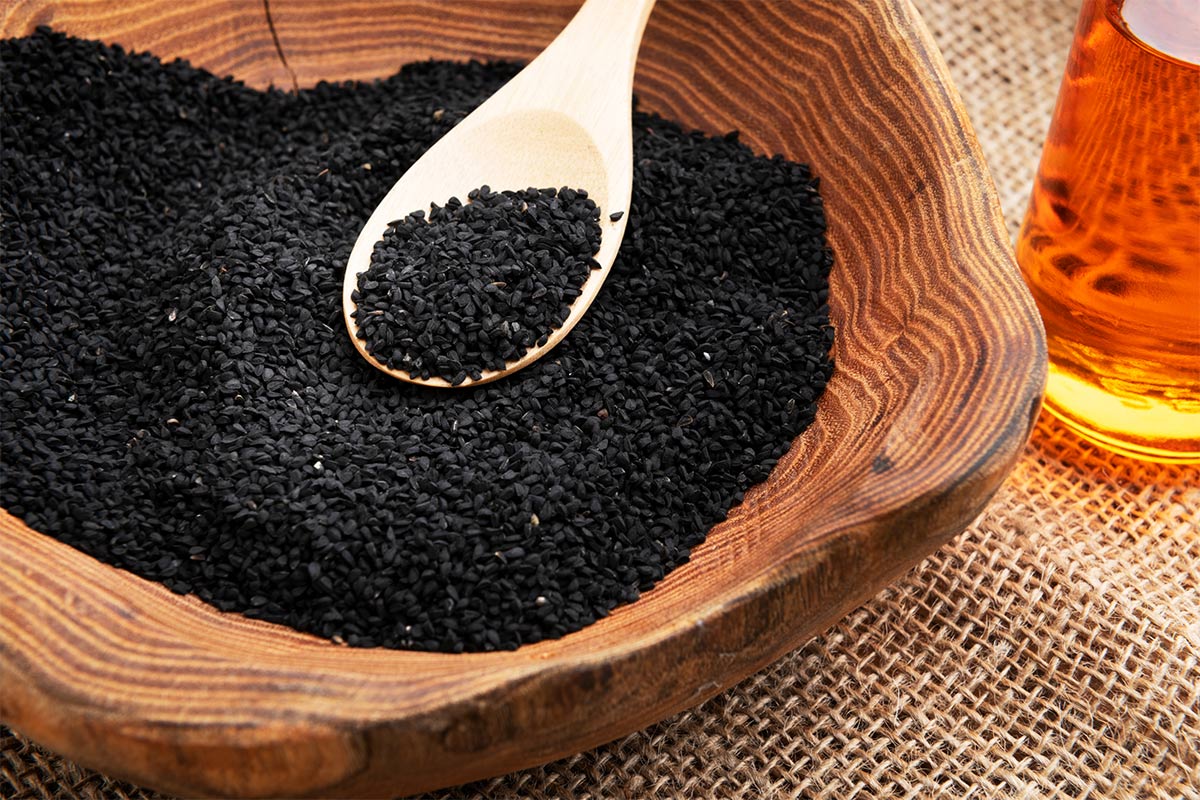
x=590, y=65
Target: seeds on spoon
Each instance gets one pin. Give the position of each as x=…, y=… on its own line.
x=476, y=285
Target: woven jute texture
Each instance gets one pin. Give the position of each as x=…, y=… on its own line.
x=1052, y=650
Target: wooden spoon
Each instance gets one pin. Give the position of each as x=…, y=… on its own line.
x=564, y=120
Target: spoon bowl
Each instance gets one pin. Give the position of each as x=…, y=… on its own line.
x=564, y=120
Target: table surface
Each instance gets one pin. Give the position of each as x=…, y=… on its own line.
x=1051, y=649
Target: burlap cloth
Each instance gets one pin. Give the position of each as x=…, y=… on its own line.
x=1053, y=649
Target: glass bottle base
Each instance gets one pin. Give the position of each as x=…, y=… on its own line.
x=1136, y=425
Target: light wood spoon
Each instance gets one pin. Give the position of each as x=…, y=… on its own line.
x=564, y=120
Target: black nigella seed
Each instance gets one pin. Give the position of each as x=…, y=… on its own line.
x=470, y=287
x=616, y=215
x=179, y=398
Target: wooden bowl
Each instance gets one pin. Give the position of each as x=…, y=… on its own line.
x=939, y=370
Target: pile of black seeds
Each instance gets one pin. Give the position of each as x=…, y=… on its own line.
x=477, y=284
x=180, y=397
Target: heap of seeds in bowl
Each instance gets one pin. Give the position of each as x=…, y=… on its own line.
x=476, y=285
x=180, y=398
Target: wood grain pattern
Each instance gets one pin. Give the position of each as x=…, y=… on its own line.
x=226, y=37
x=940, y=365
